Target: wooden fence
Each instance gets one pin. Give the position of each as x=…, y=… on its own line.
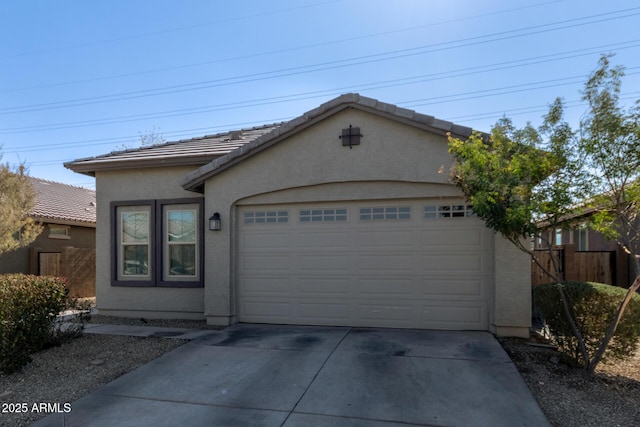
x=611, y=267
x=77, y=265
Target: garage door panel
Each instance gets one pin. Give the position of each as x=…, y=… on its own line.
x=455, y=317
x=472, y=288
x=322, y=287
x=467, y=237
x=385, y=262
x=336, y=312
x=385, y=239
x=453, y=263
x=320, y=263
x=323, y=239
x=266, y=286
x=261, y=240
x=376, y=287
x=413, y=272
x=264, y=263
x=378, y=314
x=266, y=309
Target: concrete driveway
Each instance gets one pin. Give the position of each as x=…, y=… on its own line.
x=271, y=375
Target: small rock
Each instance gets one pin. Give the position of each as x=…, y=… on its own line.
x=5, y=395
x=97, y=362
x=554, y=360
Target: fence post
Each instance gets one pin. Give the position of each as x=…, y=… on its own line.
x=569, y=262
x=622, y=268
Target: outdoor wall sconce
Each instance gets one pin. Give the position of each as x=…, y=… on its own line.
x=215, y=223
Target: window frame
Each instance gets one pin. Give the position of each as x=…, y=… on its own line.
x=385, y=213
x=583, y=240
x=447, y=211
x=261, y=217
x=558, y=237
x=323, y=215
x=157, y=250
x=54, y=234
x=198, y=280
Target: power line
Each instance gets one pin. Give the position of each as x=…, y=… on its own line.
x=287, y=72
x=458, y=119
x=317, y=94
x=268, y=53
x=124, y=139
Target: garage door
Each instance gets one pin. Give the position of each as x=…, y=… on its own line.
x=416, y=264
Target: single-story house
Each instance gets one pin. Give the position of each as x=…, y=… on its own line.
x=600, y=259
x=344, y=215
x=68, y=216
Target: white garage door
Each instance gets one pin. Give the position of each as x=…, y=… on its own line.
x=416, y=264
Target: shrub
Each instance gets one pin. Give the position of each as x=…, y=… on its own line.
x=594, y=306
x=28, y=309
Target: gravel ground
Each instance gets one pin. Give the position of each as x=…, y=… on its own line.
x=64, y=374
x=612, y=398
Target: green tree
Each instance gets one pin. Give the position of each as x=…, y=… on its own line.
x=610, y=145
x=517, y=178
x=17, y=198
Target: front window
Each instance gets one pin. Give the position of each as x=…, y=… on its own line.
x=582, y=238
x=180, y=240
x=558, y=237
x=59, y=232
x=134, y=242
x=158, y=243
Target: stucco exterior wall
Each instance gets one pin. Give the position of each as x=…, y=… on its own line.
x=393, y=161
x=152, y=302
x=512, y=289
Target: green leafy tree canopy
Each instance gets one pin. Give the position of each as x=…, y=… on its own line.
x=17, y=198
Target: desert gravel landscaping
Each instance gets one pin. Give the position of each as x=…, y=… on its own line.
x=64, y=374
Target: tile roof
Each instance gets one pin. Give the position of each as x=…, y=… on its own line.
x=63, y=203
x=194, y=180
x=194, y=151
x=214, y=153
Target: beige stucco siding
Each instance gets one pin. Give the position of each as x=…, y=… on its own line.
x=393, y=161
x=513, y=289
x=389, y=151
x=129, y=185
x=396, y=160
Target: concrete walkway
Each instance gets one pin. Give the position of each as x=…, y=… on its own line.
x=270, y=375
x=146, y=331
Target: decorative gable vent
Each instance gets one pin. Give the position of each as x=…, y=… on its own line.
x=350, y=136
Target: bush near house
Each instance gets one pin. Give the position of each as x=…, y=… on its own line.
x=28, y=309
x=594, y=306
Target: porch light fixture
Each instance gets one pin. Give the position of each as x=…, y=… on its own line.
x=215, y=223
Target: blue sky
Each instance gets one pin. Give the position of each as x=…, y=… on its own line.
x=81, y=78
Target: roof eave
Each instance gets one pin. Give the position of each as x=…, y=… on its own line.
x=60, y=221
x=195, y=180
x=91, y=166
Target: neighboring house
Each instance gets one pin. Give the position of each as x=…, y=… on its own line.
x=586, y=254
x=577, y=232
x=66, y=246
x=342, y=216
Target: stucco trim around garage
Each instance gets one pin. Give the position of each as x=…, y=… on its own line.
x=194, y=181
